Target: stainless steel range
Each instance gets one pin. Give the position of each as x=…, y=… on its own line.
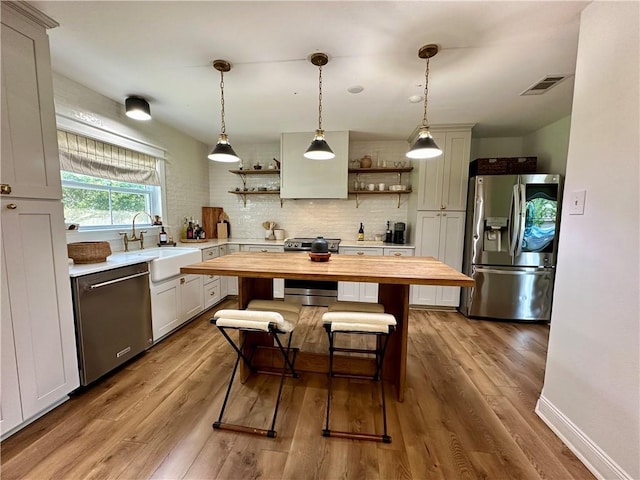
x=310, y=292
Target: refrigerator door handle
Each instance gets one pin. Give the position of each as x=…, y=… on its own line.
x=523, y=216
x=514, y=270
x=514, y=222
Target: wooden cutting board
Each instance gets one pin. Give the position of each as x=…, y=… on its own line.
x=211, y=216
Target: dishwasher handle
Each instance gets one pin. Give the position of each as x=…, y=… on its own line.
x=117, y=280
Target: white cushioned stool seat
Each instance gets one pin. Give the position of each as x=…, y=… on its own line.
x=359, y=321
x=356, y=307
x=255, y=320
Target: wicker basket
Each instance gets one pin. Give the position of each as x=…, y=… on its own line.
x=88, y=252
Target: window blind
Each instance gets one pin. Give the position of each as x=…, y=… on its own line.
x=86, y=156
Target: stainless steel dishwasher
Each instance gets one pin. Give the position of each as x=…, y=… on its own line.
x=112, y=311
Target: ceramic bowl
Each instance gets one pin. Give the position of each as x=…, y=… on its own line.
x=319, y=257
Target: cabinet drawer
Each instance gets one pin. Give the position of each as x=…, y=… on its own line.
x=263, y=248
x=361, y=251
x=212, y=293
x=209, y=253
x=398, y=252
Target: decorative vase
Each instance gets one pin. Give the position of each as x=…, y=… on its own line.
x=319, y=245
x=366, y=162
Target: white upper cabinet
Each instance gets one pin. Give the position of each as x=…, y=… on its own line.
x=443, y=180
x=304, y=178
x=30, y=165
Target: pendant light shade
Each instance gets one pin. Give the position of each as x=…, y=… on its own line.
x=223, y=152
x=425, y=146
x=319, y=148
x=137, y=108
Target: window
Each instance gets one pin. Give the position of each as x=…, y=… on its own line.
x=98, y=202
x=105, y=185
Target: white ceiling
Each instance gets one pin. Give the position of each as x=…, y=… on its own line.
x=490, y=53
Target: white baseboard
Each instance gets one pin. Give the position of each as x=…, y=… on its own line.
x=588, y=452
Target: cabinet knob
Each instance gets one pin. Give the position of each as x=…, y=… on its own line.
x=12, y=206
x=444, y=214
x=442, y=207
x=182, y=281
x=359, y=253
x=263, y=250
x=5, y=189
x=397, y=254
x=210, y=254
x=213, y=293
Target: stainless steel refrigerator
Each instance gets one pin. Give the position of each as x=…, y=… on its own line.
x=511, y=244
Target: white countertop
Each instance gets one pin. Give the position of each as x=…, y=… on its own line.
x=122, y=259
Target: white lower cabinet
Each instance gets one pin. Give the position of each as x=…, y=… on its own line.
x=439, y=235
x=39, y=357
x=211, y=283
x=278, y=283
x=175, y=301
x=359, y=291
x=231, y=283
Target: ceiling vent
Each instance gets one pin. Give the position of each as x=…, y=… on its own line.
x=544, y=85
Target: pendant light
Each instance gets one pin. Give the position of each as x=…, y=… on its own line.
x=319, y=148
x=223, y=152
x=425, y=146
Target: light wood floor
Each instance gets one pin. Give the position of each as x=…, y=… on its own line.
x=468, y=414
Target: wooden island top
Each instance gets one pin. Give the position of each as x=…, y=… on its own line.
x=394, y=275
x=351, y=268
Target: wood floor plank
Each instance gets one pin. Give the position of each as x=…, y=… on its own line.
x=468, y=413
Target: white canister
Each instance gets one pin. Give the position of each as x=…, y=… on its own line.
x=279, y=233
x=382, y=187
x=371, y=187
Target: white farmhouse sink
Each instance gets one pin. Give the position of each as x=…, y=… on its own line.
x=167, y=261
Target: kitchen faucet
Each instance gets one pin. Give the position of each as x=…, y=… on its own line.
x=133, y=237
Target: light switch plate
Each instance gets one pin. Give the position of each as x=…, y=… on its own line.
x=576, y=206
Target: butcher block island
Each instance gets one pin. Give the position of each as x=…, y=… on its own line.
x=256, y=271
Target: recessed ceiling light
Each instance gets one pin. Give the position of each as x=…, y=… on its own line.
x=355, y=89
x=415, y=98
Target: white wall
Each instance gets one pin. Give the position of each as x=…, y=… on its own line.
x=550, y=144
x=307, y=218
x=591, y=393
x=186, y=165
x=497, y=147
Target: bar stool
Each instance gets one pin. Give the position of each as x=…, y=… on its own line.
x=279, y=320
x=359, y=323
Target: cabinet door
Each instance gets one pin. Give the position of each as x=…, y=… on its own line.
x=212, y=294
x=443, y=180
x=457, y=150
x=359, y=291
x=165, y=313
x=450, y=252
x=427, y=245
x=191, y=297
x=10, y=407
x=40, y=301
x=30, y=163
x=431, y=172
x=368, y=292
x=232, y=282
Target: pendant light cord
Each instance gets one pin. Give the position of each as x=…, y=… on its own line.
x=425, y=123
x=320, y=98
x=224, y=128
